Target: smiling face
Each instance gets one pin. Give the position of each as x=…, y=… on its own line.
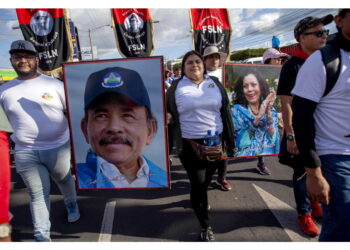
x=251, y=89
x=25, y=64
x=118, y=132
x=194, y=68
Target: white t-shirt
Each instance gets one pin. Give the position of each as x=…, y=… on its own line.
x=118, y=179
x=332, y=115
x=217, y=73
x=198, y=107
x=35, y=109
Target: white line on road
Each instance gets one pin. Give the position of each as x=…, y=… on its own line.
x=285, y=214
x=107, y=222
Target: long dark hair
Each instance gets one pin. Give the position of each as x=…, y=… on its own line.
x=239, y=93
x=188, y=54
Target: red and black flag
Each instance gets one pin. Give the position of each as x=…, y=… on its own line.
x=46, y=29
x=134, y=32
x=211, y=27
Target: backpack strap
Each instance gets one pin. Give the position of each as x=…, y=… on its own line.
x=331, y=60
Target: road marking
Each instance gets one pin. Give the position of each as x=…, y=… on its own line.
x=107, y=222
x=285, y=214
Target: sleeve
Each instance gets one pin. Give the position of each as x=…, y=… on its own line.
x=304, y=128
x=287, y=78
x=311, y=79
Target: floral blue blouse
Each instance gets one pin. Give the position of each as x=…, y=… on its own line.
x=251, y=140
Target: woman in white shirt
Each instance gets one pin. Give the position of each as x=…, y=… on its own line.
x=197, y=103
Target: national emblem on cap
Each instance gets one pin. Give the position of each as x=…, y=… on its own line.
x=112, y=80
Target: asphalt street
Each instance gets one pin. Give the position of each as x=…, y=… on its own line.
x=259, y=208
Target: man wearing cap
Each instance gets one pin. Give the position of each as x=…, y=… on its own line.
x=311, y=35
x=35, y=106
x=118, y=124
x=213, y=60
x=322, y=129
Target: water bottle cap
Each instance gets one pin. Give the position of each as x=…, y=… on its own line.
x=209, y=132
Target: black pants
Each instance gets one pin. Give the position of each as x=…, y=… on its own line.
x=200, y=174
x=222, y=170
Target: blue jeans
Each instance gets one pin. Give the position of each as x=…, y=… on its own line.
x=300, y=193
x=336, y=215
x=35, y=167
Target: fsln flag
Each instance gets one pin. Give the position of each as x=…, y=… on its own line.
x=211, y=27
x=134, y=32
x=46, y=29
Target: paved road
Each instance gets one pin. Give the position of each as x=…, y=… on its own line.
x=259, y=208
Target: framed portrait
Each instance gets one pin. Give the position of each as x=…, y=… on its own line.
x=116, y=113
x=256, y=112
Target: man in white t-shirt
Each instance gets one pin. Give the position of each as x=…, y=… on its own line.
x=213, y=60
x=322, y=131
x=35, y=106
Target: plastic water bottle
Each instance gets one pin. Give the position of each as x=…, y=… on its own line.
x=208, y=139
x=216, y=139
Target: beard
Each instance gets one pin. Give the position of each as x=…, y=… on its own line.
x=26, y=74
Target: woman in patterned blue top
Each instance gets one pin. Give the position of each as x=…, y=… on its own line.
x=255, y=120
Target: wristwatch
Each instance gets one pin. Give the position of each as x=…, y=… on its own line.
x=290, y=137
x=5, y=230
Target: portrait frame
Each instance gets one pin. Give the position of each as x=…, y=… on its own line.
x=150, y=70
x=232, y=72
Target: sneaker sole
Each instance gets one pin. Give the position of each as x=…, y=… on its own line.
x=221, y=187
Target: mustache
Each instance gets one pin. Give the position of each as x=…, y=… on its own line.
x=115, y=139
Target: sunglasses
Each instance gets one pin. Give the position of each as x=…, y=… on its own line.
x=317, y=33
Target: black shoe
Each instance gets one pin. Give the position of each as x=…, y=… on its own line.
x=207, y=235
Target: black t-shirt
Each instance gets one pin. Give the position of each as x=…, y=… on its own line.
x=288, y=76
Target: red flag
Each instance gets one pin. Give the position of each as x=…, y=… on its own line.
x=211, y=27
x=46, y=29
x=134, y=32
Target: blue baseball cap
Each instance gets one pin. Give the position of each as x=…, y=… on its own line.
x=116, y=80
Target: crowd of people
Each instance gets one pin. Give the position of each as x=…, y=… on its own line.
x=315, y=137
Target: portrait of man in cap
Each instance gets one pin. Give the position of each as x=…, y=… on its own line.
x=118, y=124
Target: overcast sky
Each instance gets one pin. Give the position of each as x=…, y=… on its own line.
x=252, y=28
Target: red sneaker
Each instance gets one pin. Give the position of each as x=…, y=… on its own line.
x=316, y=209
x=223, y=184
x=308, y=225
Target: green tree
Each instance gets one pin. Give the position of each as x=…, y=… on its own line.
x=247, y=53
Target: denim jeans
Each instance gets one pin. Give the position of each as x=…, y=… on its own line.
x=300, y=193
x=336, y=215
x=35, y=167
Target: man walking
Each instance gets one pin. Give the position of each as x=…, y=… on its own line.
x=311, y=35
x=322, y=129
x=35, y=106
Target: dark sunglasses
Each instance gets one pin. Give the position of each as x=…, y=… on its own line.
x=318, y=33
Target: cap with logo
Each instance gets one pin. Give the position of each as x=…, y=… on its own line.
x=22, y=46
x=116, y=80
x=309, y=22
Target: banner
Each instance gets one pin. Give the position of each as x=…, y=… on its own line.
x=46, y=29
x=211, y=27
x=134, y=32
